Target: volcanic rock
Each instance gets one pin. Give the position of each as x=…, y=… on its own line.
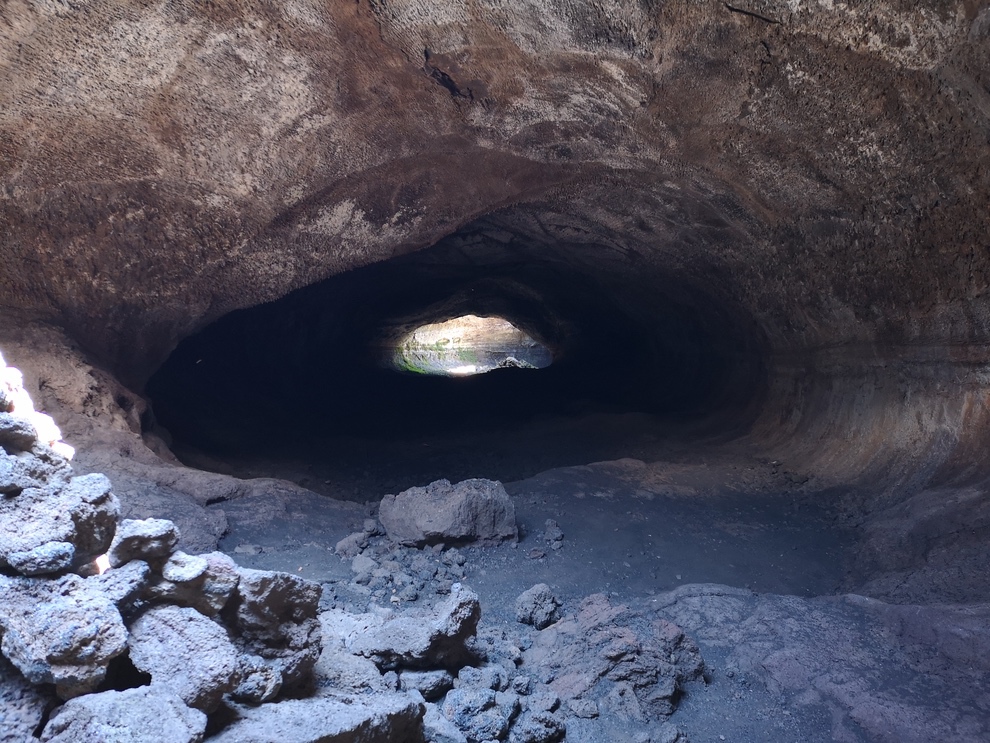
x=538, y=606
x=143, y=715
x=472, y=510
x=273, y=616
x=151, y=540
x=420, y=639
x=63, y=631
x=186, y=653
x=382, y=718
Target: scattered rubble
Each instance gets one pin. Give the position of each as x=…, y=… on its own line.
x=206, y=636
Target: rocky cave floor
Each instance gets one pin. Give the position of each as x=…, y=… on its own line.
x=751, y=559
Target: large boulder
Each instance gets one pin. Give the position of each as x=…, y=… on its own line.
x=381, y=718
x=415, y=639
x=475, y=510
x=186, y=653
x=273, y=617
x=49, y=522
x=63, y=631
x=143, y=715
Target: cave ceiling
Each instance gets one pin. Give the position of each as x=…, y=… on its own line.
x=822, y=164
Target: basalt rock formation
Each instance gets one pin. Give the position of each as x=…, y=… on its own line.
x=762, y=221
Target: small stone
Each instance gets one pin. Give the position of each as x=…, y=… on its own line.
x=552, y=531
x=51, y=557
x=431, y=684
x=536, y=554
x=17, y=433
x=538, y=727
x=146, y=539
x=182, y=568
x=351, y=545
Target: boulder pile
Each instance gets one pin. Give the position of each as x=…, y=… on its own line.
x=109, y=632
x=111, y=619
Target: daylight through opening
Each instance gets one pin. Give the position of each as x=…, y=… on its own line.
x=467, y=345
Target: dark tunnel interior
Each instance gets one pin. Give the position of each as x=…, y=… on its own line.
x=308, y=367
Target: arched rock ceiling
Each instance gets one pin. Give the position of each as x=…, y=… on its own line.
x=823, y=163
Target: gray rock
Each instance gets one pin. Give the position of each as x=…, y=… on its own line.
x=183, y=568
x=186, y=653
x=439, y=729
x=584, y=708
x=81, y=512
x=124, y=584
x=538, y=727
x=17, y=433
x=463, y=707
x=50, y=557
x=492, y=677
x=352, y=544
x=472, y=510
x=208, y=592
x=260, y=682
x=142, y=715
x=382, y=718
x=94, y=510
x=543, y=701
x=431, y=684
x=63, y=631
x=273, y=616
x=22, y=705
x=437, y=639
x=538, y=606
x=151, y=540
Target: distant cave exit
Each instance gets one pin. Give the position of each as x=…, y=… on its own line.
x=465, y=346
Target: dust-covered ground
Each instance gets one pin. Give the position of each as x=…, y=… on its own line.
x=750, y=559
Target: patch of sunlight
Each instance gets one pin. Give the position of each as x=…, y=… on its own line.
x=468, y=345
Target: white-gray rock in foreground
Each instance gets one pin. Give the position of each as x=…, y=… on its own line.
x=273, y=616
x=186, y=653
x=48, y=522
x=381, y=718
x=416, y=639
x=142, y=715
x=151, y=540
x=475, y=510
x=22, y=705
x=63, y=631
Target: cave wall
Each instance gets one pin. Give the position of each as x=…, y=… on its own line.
x=817, y=170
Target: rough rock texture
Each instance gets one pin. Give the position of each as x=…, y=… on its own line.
x=538, y=606
x=472, y=510
x=63, y=632
x=186, y=654
x=895, y=674
x=273, y=616
x=416, y=639
x=150, y=540
x=22, y=706
x=378, y=719
x=607, y=657
x=142, y=715
x=206, y=590
x=49, y=522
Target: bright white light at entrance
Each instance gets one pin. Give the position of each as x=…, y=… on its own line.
x=468, y=345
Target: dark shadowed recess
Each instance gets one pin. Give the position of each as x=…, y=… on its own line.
x=625, y=338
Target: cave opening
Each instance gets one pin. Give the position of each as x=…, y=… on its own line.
x=465, y=346
x=638, y=354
